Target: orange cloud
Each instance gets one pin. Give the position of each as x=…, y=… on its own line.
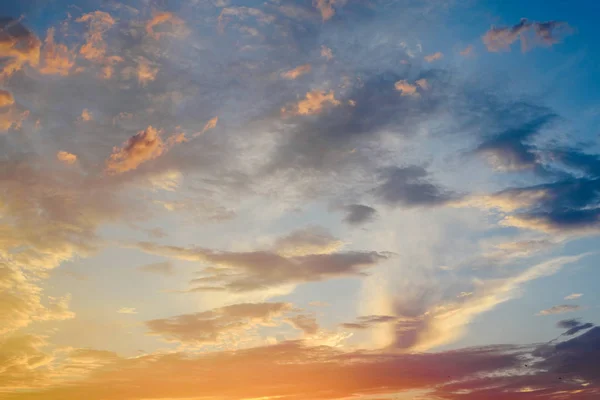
x=210, y=327
x=56, y=59
x=327, y=53
x=161, y=18
x=18, y=47
x=86, y=115
x=296, y=72
x=6, y=98
x=433, y=57
x=312, y=104
x=145, y=72
x=408, y=89
x=530, y=34
x=211, y=124
x=66, y=157
x=94, y=49
x=140, y=148
x=467, y=51
x=325, y=7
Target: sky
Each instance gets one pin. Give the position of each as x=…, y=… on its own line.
x=299, y=199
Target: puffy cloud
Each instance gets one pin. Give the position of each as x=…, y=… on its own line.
x=258, y=270
x=314, y=103
x=530, y=34
x=66, y=157
x=408, y=89
x=326, y=7
x=11, y=114
x=18, y=47
x=161, y=268
x=210, y=327
x=326, y=53
x=561, y=309
x=573, y=296
x=56, y=59
x=358, y=214
x=145, y=72
x=146, y=145
x=6, y=98
x=407, y=186
x=155, y=27
x=433, y=57
x=86, y=115
x=296, y=72
x=99, y=22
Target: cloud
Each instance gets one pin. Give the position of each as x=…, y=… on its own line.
x=242, y=13
x=259, y=270
x=18, y=47
x=406, y=89
x=307, y=241
x=306, y=323
x=146, y=145
x=573, y=326
x=467, y=51
x=6, y=98
x=296, y=72
x=161, y=268
x=211, y=327
x=326, y=53
x=165, y=23
x=433, y=57
x=56, y=59
x=127, y=310
x=86, y=115
x=99, y=22
x=531, y=34
x=326, y=7
x=358, y=214
x=512, y=150
x=22, y=361
x=561, y=309
x=408, y=186
x=314, y=103
x=211, y=124
x=66, y=157
x=368, y=321
x=573, y=296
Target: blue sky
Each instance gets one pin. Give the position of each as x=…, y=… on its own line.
x=318, y=199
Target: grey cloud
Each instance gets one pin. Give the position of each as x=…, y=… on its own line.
x=256, y=270
x=358, y=214
x=573, y=326
x=306, y=323
x=210, y=327
x=368, y=321
x=409, y=187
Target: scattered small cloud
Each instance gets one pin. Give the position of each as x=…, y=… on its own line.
x=561, y=309
x=161, y=268
x=127, y=310
x=434, y=57
x=326, y=53
x=66, y=157
x=314, y=103
x=573, y=296
x=531, y=34
x=296, y=72
x=467, y=51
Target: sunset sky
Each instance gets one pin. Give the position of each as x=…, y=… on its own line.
x=299, y=199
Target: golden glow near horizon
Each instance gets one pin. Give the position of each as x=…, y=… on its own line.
x=290, y=199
